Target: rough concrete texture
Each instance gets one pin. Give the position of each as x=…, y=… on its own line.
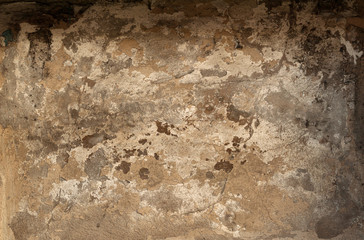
x=182, y=120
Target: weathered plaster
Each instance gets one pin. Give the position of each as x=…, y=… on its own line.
x=182, y=120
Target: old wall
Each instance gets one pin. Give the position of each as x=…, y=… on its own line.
x=182, y=120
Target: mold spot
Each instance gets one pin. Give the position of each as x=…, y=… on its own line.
x=143, y=173
x=224, y=165
x=8, y=37
x=125, y=166
x=156, y=156
x=142, y=141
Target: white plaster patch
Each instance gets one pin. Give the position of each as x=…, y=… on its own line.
x=80, y=154
x=270, y=55
x=67, y=190
x=350, y=49
x=195, y=197
x=158, y=77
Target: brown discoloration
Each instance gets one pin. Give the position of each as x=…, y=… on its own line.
x=224, y=165
x=163, y=128
x=356, y=21
x=89, y=82
x=142, y=141
x=127, y=45
x=235, y=115
x=143, y=173
x=129, y=152
x=125, y=166
x=254, y=54
x=142, y=153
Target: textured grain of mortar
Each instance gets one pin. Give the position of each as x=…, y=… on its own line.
x=182, y=120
